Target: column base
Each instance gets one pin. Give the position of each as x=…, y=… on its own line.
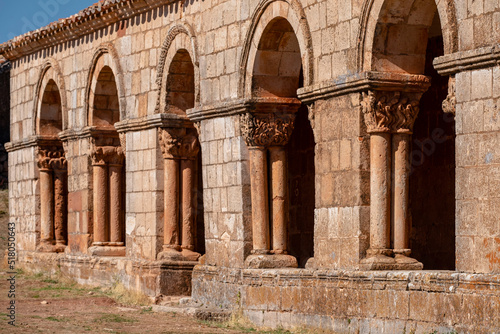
x=172, y=254
x=311, y=264
x=49, y=247
x=269, y=261
x=408, y=263
x=59, y=248
x=46, y=247
x=106, y=251
x=377, y=260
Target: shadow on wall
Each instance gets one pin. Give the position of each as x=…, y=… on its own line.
x=4, y=120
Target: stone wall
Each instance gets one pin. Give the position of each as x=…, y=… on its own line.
x=331, y=196
x=477, y=170
x=342, y=180
x=226, y=185
x=354, y=301
x=144, y=194
x=4, y=120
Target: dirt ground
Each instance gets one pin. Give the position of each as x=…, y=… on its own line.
x=56, y=304
x=48, y=305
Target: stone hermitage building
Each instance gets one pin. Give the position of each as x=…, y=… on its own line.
x=325, y=163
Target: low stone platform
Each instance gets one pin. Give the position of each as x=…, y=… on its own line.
x=152, y=278
x=355, y=301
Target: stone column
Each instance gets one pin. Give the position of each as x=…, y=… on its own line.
x=60, y=203
x=262, y=131
x=279, y=198
x=259, y=198
x=189, y=152
x=180, y=148
x=100, y=198
x=380, y=195
x=389, y=118
x=401, y=146
x=171, y=205
x=116, y=237
x=52, y=166
x=46, y=202
x=406, y=112
x=378, y=119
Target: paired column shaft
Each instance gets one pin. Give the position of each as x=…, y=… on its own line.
x=171, y=204
x=380, y=189
x=279, y=198
x=188, y=203
x=401, y=163
x=259, y=197
x=47, y=206
x=59, y=206
x=100, y=204
x=116, y=207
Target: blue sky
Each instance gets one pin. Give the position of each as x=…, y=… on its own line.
x=20, y=16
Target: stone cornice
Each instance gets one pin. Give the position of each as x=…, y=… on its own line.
x=87, y=21
x=433, y=281
x=153, y=121
x=86, y=132
x=240, y=106
x=228, y=108
x=362, y=82
x=31, y=141
x=467, y=60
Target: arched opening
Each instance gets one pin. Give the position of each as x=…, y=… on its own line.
x=278, y=62
x=301, y=180
x=184, y=233
x=180, y=84
x=108, y=166
x=408, y=37
x=52, y=166
x=283, y=223
x=432, y=180
x=105, y=107
x=50, y=122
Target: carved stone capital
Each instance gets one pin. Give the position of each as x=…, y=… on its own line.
x=178, y=143
x=269, y=129
x=449, y=104
x=388, y=111
x=51, y=158
x=102, y=155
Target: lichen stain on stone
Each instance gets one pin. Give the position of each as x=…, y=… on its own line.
x=493, y=257
x=489, y=158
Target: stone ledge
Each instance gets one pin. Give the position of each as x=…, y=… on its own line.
x=354, y=301
x=151, y=277
x=152, y=121
x=423, y=280
x=364, y=81
x=228, y=108
x=467, y=60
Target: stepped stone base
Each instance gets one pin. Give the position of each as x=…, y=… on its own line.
x=355, y=301
x=152, y=278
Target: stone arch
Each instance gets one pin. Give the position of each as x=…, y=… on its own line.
x=179, y=37
x=105, y=56
x=50, y=119
x=415, y=11
x=265, y=12
x=400, y=40
x=50, y=73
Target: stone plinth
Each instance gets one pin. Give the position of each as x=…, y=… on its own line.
x=354, y=301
